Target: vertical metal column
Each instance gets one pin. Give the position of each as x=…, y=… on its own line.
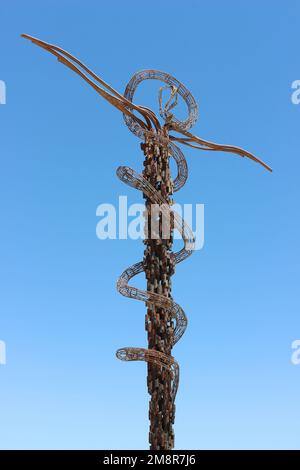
x=159, y=267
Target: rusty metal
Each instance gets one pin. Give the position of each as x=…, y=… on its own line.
x=165, y=321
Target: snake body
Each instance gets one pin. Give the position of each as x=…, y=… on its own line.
x=132, y=178
x=137, y=181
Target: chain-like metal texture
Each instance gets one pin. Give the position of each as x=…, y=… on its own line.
x=165, y=319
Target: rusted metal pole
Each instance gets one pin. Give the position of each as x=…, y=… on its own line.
x=159, y=267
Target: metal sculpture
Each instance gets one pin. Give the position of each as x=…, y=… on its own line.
x=165, y=319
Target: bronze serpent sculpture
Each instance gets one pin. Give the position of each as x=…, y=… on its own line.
x=165, y=320
x=130, y=177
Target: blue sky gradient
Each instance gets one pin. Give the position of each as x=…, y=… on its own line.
x=61, y=316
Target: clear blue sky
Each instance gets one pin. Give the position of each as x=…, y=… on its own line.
x=61, y=317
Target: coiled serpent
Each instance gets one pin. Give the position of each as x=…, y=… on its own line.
x=137, y=181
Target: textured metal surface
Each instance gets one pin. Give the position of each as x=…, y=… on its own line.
x=165, y=319
x=138, y=77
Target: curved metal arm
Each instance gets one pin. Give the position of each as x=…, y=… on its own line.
x=201, y=144
x=114, y=97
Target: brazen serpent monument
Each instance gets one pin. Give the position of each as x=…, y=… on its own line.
x=165, y=320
